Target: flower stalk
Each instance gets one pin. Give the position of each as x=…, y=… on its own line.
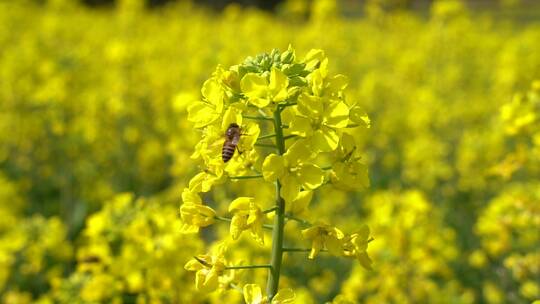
x=298, y=98
x=279, y=218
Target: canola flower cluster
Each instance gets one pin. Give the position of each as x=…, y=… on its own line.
x=96, y=148
x=305, y=113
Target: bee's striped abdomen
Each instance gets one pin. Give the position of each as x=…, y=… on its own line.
x=232, y=137
x=228, y=151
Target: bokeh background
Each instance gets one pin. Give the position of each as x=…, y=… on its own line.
x=95, y=146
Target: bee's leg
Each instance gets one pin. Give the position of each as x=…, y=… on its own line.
x=239, y=151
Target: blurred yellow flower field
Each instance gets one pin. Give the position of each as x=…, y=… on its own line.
x=405, y=147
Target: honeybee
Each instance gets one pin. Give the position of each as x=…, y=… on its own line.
x=90, y=259
x=232, y=137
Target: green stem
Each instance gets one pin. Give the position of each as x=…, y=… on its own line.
x=279, y=218
x=248, y=266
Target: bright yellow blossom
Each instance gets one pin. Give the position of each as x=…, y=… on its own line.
x=253, y=295
x=247, y=215
x=209, y=268
x=205, y=112
x=261, y=91
x=356, y=244
x=293, y=171
x=194, y=214
x=324, y=236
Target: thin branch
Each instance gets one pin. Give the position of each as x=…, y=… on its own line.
x=289, y=104
x=257, y=117
x=289, y=136
x=267, y=136
x=223, y=219
x=270, y=210
x=299, y=220
x=264, y=114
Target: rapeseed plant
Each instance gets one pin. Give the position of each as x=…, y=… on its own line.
x=306, y=115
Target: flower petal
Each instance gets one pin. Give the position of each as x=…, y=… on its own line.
x=310, y=106
x=231, y=115
x=337, y=115
x=359, y=116
x=238, y=224
x=364, y=260
x=298, y=152
x=334, y=245
x=202, y=114
x=300, y=203
x=313, y=58
x=273, y=167
x=290, y=188
x=301, y=126
x=252, y=294
x=255, y=87
x=241, y=203
x=284, y=296
x=213, y=93
x=247, y=141
x=189, y=196
x=278, y=84
x=325, y=139
x=310, y=176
